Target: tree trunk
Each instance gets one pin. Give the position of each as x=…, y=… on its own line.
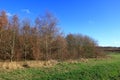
x=13, y=45
x=46, y=46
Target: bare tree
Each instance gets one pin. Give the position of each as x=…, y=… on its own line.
x=47, y=31
x=60, y=45
x=15, y=25
x=35, y=42
x=10, y=33
x=25, y=38
x=82, y=46
x=42, y=40
x=3, y=25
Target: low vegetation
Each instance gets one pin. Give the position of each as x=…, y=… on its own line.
x=93, y=69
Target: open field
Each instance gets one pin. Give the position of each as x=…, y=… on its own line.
x=92, y=69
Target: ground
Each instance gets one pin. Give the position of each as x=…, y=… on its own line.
x=91, y=69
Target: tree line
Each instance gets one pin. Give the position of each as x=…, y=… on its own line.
x=19, y=40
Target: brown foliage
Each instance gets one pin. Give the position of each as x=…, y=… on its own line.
x=81, y=46
x=42, y=41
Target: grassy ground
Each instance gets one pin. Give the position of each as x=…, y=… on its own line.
x=93, y=69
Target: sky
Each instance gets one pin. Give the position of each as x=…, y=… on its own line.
x=99, y=19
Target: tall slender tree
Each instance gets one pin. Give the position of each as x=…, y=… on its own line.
x=25, y=38
x=14, y=34
x=48, y=31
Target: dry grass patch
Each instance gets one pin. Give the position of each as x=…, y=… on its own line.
x=10, y=65
x=78, y=60
x=27, y=64
x=49, y=63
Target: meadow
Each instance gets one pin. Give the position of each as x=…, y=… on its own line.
x=93, y=69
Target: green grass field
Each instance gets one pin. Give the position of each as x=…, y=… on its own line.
x=94, y=69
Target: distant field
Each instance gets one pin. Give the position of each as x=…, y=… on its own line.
x=93, y=69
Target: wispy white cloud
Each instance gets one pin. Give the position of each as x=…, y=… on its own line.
x=26, y=11
x=8, y=14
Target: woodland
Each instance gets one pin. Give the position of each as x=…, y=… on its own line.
x=22, y=40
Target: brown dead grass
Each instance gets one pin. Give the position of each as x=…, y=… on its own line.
x=10, y=65
x=35, y=64
x=78, y=60
x=29, y=64
x=84, y=60
x=49, y=63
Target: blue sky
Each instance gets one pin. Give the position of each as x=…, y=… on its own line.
x=99, y=19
